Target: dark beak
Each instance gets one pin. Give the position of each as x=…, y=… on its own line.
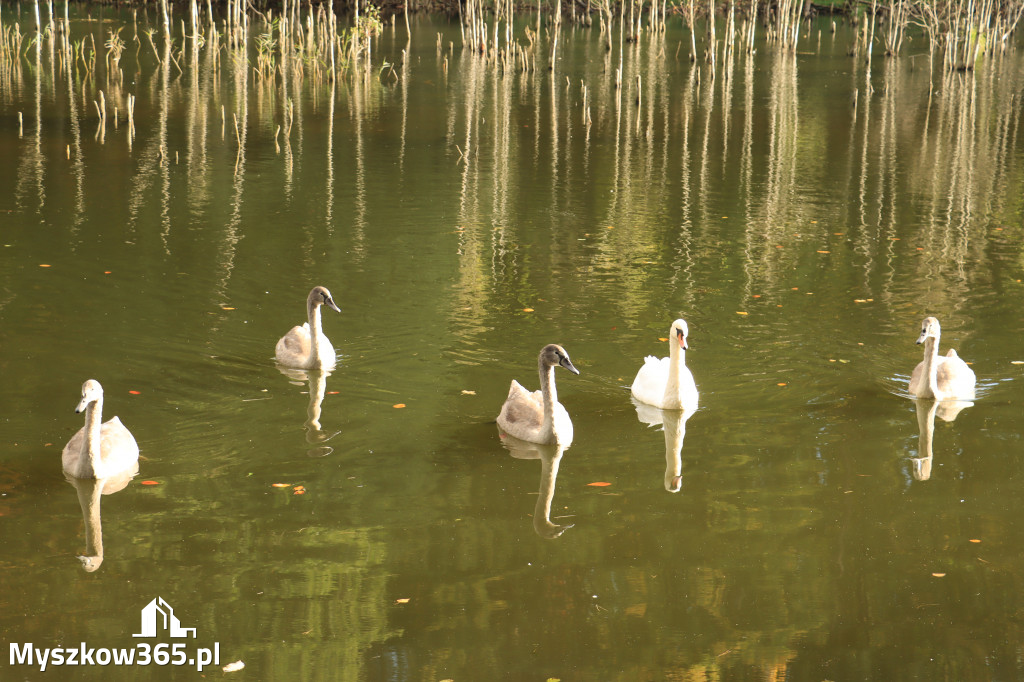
x=567, y=363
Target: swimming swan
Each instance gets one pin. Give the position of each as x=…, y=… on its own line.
x=99, y=451
x=942, y=377
x=667, y=383
x=538, y=417
x=305, y=350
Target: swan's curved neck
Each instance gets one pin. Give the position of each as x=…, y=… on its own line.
x=315, y=329
x=91, y=442
x=676, y=363
x=549, y=394
x=931, y=365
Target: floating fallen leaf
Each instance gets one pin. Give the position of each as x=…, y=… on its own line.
x=280, y=485
x=939, y=575
x=757, y=295
x=781, y=383
x=150, y=482
x=599, y=484
x=820, y=251
x=226, y=307
x=844, y=361
x=778, y=246
x=233, y=667
x=403, y=600
x=44, y=265
x=740, y=312
x=663, y=338
x=527, y=310
x=332, y=392
x=795, y=289
x=1017, y=362
x=299, y=490
x=106, y=272
x=135, y=392
x=468, y=392
x=398, y=406
x=975, y=540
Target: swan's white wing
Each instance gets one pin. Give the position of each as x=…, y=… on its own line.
x=649, y=384
x=955, y=378
x=118, y=449
x=294, y=347
x=522, y=413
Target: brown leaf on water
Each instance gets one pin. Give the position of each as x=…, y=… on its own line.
x=280, y=485
x=939, y=575
x=150, y=482
x=599, y=484
x=398, y=406
x=975, y=540
x=299, y=490
x=403, y=600
x=468, y=392
x=527, y=310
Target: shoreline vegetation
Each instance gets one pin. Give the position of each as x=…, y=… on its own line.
x=331, y=37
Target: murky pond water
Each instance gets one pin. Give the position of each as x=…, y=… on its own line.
x=825, y=526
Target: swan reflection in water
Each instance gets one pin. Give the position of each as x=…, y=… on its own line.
x=549, y=456
x=89, y=492
x=946, y=410
x=316, y=379
x=674, y=426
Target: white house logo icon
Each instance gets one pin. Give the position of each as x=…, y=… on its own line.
x=170, y=622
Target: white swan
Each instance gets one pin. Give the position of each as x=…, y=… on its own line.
x=668, y=383
x=305, y=346
x=99, y=450
x=538, y=417
x=942, y=377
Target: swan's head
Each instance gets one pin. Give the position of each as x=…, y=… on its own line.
x=553, y=354
x=929, y=328
x=91, y=392
x=90, y=563
x=679, y=333
x=320, y=296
